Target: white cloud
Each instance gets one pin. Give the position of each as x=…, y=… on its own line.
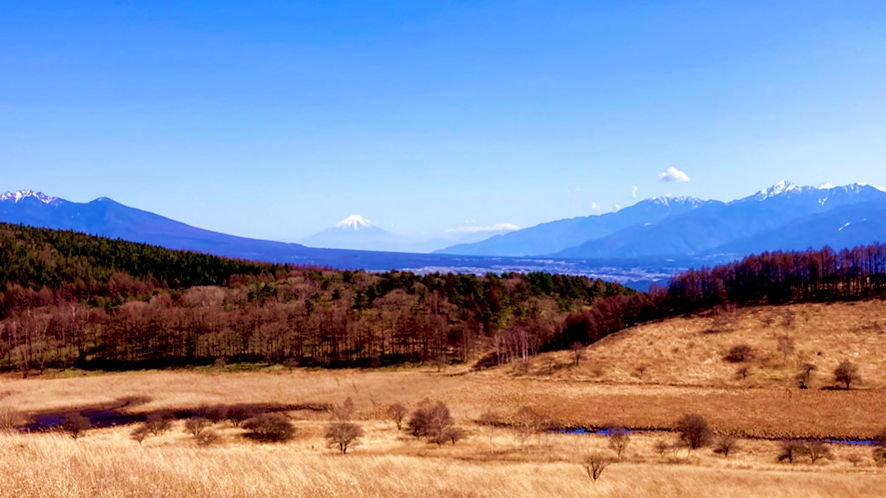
x=595, y=206
x=498, y=227
x=673, y=175
x=634, y=191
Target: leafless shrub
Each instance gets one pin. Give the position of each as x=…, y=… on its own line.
x=661, y=447
x=10, y=419
x=75, y=424
x=195, y=426
x=742, y=372
x=725, y=445
x=452, y=434
x=693, y=430
x=207, y=437
x=397, y=412
x=157, y=423
x=343, y=435
x=879, y=456
x=619, y=439
x=270, y=427
x=640, y=370
x=739, y=353
x=595, y=464
x=846, y=373
x=139, y=433
x=854, y=459
x=816, y=450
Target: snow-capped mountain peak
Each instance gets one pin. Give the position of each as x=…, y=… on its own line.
x=826, y=186
x=355, y=222
x=668, y=200
x=23, y=194
x=779, y=188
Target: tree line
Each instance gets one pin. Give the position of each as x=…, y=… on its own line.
x=69, y=299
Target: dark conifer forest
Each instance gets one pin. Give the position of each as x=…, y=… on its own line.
x=73, y=300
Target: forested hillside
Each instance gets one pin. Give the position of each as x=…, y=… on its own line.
x=70, y=299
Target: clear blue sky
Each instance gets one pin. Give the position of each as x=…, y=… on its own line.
x=277, y=119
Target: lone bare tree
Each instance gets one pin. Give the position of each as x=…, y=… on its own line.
x=725, y=445
x=397, y=412
x=846, y=373
x=805, y=374
x=619, y=439
x=693, y=430
x=578, y=350
x=785, y=347
x=343, y=435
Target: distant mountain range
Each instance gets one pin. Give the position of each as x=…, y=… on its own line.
x=643, y=243
x=357, y=233
x=108, y=218
x=782, y=217
x=555, y=236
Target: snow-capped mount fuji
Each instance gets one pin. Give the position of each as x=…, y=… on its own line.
x=357, y=233
x=354, y=222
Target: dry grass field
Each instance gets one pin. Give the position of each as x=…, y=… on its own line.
x=684, y=373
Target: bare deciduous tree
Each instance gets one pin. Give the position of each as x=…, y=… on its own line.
x=431, y=421
x=139, y=433
x=693, y=430
x=661, y=447
x=397, y=412
x=578, y=350
x=270, y=427
x=816, y=450
x=157, y=423
x=619, y=439
x=805, y=374
x=725, y=445
x=197, y=425
x=785, y=347
x=343, y=435
x=789, y=450
x=846, y=373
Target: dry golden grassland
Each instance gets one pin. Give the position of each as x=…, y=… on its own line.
x=684, y=373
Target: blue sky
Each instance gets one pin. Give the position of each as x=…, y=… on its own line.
x=276, y=120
